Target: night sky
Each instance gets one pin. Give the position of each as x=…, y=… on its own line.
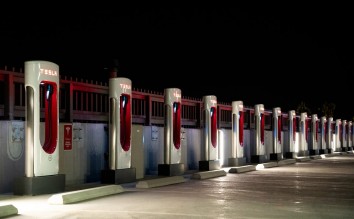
x=258, y=55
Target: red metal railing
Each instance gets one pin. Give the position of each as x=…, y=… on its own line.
x=87, y=101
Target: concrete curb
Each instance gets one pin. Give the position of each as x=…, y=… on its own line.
x=8, y=210
x=160, y=182
x=242, y=169
x=303, y=159
x=286, y=162
x=85, y=194
x=316, y=157
x=209, y=174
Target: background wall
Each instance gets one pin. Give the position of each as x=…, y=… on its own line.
x=88, y=155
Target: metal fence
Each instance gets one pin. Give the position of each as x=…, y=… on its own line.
x=87, y=101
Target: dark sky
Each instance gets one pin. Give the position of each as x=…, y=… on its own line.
x=277, y=57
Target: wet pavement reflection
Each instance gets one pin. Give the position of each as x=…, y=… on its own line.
x=321, y=188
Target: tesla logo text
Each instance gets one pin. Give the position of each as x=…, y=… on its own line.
x=125, y=87
x=48, y=72
x=176, y=94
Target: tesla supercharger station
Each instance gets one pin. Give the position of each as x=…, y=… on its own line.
x=343, y=137
x=303, y=146
x=292, y=135
x=258, y=147
x=120, y=133
x=313, y=141
x=172, y=165
x=329, y=135
x=237, y=148
x=210, y=135
x=350, y=135
x=276, y=135
x=323, y=131
x=337, y=135
x=42, y=156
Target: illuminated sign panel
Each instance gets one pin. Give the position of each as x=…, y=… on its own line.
x=48, y=72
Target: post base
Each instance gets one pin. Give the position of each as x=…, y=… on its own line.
x=258, y=159
x=118, y=176
x=207, y=165
x=39, y=185
x=175, y=169
x=234, y=162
